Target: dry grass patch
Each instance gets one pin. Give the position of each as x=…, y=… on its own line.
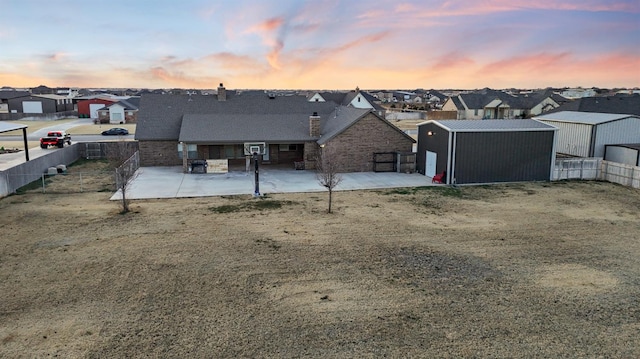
x=496, y=271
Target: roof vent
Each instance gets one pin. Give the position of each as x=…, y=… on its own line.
x=272, y=95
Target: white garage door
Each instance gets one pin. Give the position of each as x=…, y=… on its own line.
x=93, y=109
x=32, y=107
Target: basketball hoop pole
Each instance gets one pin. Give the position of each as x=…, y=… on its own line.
x=256, y=193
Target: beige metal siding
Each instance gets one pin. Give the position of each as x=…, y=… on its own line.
x=573, y=138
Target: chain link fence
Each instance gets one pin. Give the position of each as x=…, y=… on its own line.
x=88, y=176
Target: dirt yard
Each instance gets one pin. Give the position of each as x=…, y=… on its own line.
x=529, y=270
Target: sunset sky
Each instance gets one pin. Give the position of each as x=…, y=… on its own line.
x=321, y=44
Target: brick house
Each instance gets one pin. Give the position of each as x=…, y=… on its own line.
x=290, y=127
x=123, y=111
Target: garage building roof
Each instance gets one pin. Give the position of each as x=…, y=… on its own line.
x=492, y=125
x=588, y=118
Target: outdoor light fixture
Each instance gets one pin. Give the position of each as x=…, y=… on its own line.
x=430, y=133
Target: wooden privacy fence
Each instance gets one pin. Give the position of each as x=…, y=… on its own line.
x=597, y=169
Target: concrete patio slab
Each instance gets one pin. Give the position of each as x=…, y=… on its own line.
x=170, y=182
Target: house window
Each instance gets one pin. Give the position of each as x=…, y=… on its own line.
x=475, y=112
x=129, y=113
x=192, y=151
x=288, y=147
x=233, y=151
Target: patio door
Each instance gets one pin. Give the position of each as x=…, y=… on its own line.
x=430, y=164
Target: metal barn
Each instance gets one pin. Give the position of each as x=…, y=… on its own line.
x=486, y=151
x=627, y=154
x=585, y=134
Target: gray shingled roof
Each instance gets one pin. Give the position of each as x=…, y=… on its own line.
x=236, y=127
x=132, y=103
x=621, y=104
x=160, y=117
x=245, y=116
x=335, y=97
x=457, y=103
x=479, y=99
x=128, y=104
x=491, y=125
x=343, y=117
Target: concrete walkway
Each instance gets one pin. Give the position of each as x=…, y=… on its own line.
x=170, y=182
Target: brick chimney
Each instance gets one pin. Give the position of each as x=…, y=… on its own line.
x=222, y=93
x=314, y=125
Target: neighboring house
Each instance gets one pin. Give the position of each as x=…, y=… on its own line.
x=384, y=96
x=40, y=104
x=289, y=128
x=406, y=96
x=585, y=134
x=470, y=151
x=124, y=111
x=357, y=99
x=434, y=98
x=88, y=108
x=620, y=104
x=492, y=104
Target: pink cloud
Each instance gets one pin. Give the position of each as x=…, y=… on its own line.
x=177, y=79
x=452, y=60
x=562, y=69
x=524, y=64
x=455, y=8
x=267, y=25
x=368, y=39
x=229, y=61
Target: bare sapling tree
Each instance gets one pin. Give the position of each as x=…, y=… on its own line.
x=125, y=161
x=327, y=172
